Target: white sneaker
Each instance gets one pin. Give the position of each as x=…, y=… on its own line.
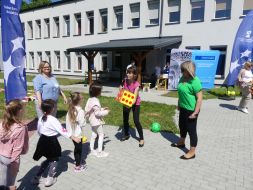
x=244, y=110
x=50, y=181
x=102, y=154
x=93, y=153
x=36, y=180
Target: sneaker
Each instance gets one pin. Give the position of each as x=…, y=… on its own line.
x=244, y=110
x=50, y=181
x=93, y=153
x=36, y=180
x=102, y=154
x=80, y=168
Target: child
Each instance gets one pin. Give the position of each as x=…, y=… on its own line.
x=48, y=146
x=75, y=120
x=13, y=143
x=132, y=85
x=96, y=113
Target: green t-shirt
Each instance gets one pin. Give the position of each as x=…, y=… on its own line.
x=187, y=93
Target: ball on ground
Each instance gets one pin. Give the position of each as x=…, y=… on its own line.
x=155, y=127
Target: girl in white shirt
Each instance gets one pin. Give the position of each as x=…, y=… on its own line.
x=48, y=145
x=245, y=79
x=75, y=120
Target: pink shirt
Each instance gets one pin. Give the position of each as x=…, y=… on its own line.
x=15, y=142
x=131, y=87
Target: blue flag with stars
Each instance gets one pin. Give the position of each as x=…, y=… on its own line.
x=13, y=49
x=243, y=47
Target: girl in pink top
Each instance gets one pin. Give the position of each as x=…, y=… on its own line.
x=132, y=85
x=13, y=143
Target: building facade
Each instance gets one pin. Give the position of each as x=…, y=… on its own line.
x=203, y=24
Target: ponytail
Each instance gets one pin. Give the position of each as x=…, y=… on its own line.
x=74, y=100
x=47, y=106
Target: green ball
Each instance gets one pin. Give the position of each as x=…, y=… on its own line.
x=155, y=127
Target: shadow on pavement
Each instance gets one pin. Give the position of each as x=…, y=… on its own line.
x=32, y=126
x=173, y=139
x=25, y=181
x=63, y=162
x=132, y=132
x=228, y=106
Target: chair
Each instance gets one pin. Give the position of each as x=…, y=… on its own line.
x=161, y=83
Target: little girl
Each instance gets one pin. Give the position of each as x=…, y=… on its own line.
x=132, y=85
x=13, y=143
x=96, y=113
x=75, y=120
x=48, y=145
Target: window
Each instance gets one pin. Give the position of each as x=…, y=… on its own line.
x=38, y=29
x=153, y=7
x=248, y=5
x=117, y=62
x=56, y=27
x=193, y=47
x=223, y=9
x=135, y=14
x=30, y=30
x=47, y=28
x=90, y=25
x=79, y=61
x=23, y=26
x=57, y=60
x=66, y=26
x=220, y=71
x=31, y=60
x=78, y=25
x=198, y=10
x=118, y=11
x=39, y=57
x=104, y=61
x=103, y=20
x=48, y=56
x=174, y=10
x=67, y=60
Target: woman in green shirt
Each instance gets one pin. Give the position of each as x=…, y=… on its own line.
x=189, y=103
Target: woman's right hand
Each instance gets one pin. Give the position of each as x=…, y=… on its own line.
x=76, y=139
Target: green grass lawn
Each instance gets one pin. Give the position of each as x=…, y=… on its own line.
x=62, y=81
x=150, y=112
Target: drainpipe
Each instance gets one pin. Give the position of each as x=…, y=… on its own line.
x=161, y=19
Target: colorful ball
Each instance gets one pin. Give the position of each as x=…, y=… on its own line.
x=155, y=127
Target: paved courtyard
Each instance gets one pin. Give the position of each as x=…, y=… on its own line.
x=224, y=158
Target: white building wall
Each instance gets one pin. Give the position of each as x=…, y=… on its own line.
x=203, y=34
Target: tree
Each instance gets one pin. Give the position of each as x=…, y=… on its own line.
x=34, y=4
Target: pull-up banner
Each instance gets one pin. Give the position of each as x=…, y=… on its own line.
x=206, y=64
x=242, y=49
x=13, y=50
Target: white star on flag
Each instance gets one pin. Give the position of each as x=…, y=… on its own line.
x=17, y=43
x=8, y=68
x=246, y=53
x=234, y=65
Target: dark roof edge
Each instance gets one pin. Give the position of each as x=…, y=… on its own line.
x=50, y=5
x=146, y=38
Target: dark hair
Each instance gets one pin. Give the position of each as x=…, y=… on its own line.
x=133, y=70
x=95, y=89
x=47, y=107
x=74, y=100
x=11, y=114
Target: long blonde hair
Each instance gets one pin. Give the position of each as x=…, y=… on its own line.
x=74, y=100
x=189, y=67
x=11, y=114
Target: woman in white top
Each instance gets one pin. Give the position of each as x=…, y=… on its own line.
x=75, y=120
x=245, y=78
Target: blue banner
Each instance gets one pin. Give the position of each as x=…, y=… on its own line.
x=243, y=46
x=206, y=64
x=13, y=49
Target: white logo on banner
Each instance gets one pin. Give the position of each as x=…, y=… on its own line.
x=13, y=2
